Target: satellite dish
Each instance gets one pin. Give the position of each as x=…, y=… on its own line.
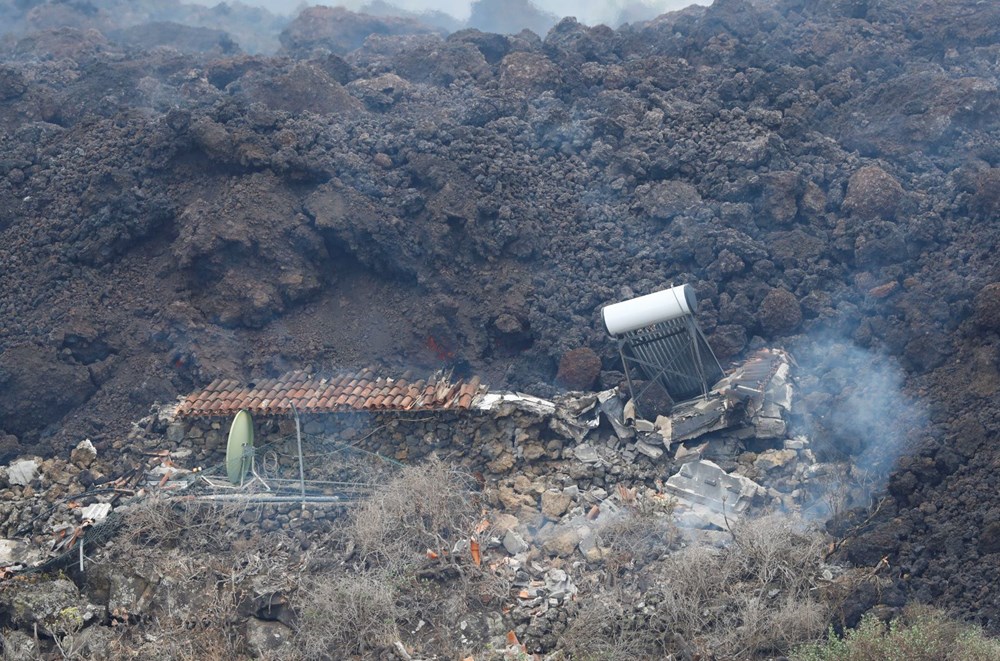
x=239, y=449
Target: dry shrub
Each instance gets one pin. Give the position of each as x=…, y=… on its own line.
x=215, y=634
x=426, y=507
x=410, y=562
x=162, y=523
x=751, y=598
x=643, y=533
x=608, y=628
x=206, y=558
x=347, y=615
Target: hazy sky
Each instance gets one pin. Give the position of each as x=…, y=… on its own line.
x=588, y=11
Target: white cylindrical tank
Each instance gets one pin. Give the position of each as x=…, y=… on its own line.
x=643, y=311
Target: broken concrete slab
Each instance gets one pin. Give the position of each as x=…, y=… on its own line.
x=708, y=496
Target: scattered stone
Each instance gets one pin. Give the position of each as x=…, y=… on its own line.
x=505, y=522
x=579, y=369
x=514, y=543
x=555, y=504
x=561, y=541
x=666, y=199
x=55, y=606
x=266, y=638
x=175, y=432
x=587, y=454
x=84, y=454
x=770, y=460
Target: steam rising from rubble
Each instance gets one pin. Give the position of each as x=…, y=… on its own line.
x=852, y=404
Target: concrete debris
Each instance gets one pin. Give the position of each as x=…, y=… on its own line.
x=650, y=451
x=514, y=543
x=685, y=452
x=707, y=496
x=22, y=473
x=613, y=409
x=756, y=395
x=515, y=401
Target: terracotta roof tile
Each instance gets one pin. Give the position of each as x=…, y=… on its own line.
x=364, y=391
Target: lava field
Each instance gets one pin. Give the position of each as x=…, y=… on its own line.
x=178, y=207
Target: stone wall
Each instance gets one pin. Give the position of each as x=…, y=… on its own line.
x=492, y=441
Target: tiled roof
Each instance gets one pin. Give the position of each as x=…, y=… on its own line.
x=345, y=393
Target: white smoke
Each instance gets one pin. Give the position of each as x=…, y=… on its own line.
x=591, y=12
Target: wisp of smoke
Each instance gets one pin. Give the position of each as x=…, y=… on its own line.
x=852, y=405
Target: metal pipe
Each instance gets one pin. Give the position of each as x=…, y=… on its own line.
x=267, y=498
x=298, y=440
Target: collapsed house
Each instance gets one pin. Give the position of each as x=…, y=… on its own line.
x=323, y=439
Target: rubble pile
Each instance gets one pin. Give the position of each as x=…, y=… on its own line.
x=561, y=483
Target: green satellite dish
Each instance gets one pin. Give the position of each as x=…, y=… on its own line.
x=239, y=449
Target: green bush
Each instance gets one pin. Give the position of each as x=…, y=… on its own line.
x=921, y=634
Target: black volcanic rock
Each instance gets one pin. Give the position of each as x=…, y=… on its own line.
x=37, y=388
x=341, y=31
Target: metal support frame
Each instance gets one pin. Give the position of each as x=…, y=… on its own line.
x=656, y=351
x=298, y=442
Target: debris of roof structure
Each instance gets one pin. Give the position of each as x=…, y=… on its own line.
x=757, y=395
x=665, y=355
x=702, y=438
x=347, y=392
